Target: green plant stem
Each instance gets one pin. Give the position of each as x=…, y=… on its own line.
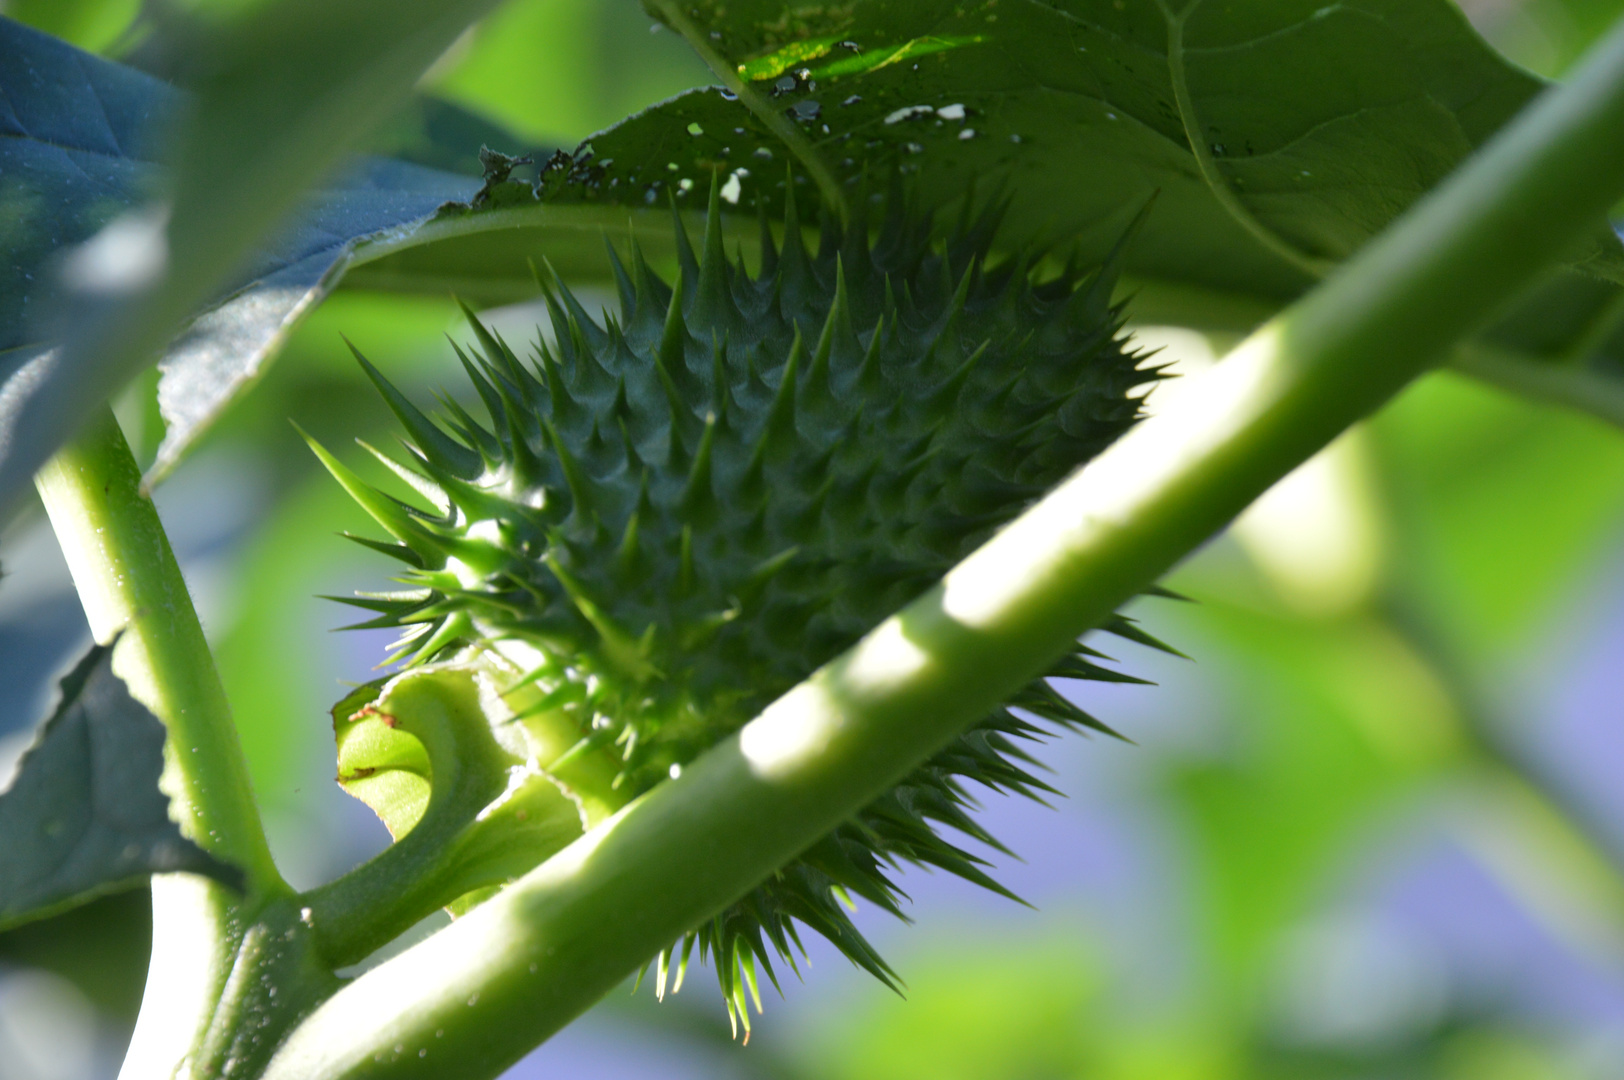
x=129, y=582
x=514, y=971
x=406, y=882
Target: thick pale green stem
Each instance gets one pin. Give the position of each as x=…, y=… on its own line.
x=476, y=996
x=128, y=581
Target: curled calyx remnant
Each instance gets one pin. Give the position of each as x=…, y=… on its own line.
x=673, y=516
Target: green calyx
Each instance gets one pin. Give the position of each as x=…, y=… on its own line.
x=674, y=515
x=433, y=753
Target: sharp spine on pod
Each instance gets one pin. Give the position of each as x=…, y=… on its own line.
x=674, y=515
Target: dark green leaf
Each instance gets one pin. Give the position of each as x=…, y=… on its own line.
x=75, y=152
x=84, y=816
x=285, y=89
x=1389, y=95
x=1282, y=133
x=1317, y=123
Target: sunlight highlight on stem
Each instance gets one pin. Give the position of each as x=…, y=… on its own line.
x=531, y=959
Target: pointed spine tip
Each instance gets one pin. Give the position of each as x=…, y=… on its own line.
x=779, y=426
x=713, y=294
x=698, y=494
x=435, y=444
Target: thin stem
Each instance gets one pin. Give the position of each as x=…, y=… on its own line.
x=1597, y=332
x=1486, y=728
x=515, y=970
x=128, y=581
x=1578, y=388
x=780, y=125
x=1204, y=159
x=381, y=899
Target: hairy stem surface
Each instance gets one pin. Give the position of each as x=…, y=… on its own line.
x=482, y=992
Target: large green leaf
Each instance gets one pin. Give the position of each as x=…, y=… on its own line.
x=285, y=89
x=1314, y=125
x=1309, y=125
x=1280, y=134
x=84, y=816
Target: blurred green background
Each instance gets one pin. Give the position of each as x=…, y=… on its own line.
x=1374, y=829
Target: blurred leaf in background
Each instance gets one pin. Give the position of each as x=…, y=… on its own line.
x=560, y=70
x=1544, y=36
x=1504, y=509
x=94, y=25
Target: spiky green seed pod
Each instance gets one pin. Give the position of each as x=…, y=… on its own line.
x=674, y=516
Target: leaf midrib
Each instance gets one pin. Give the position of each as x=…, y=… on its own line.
x=1205, y=162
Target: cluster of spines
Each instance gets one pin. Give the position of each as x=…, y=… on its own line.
x=689, y=508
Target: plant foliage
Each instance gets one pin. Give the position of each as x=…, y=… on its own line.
x=672, y=517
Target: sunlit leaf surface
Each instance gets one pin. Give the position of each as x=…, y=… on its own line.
x=1317, y=124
